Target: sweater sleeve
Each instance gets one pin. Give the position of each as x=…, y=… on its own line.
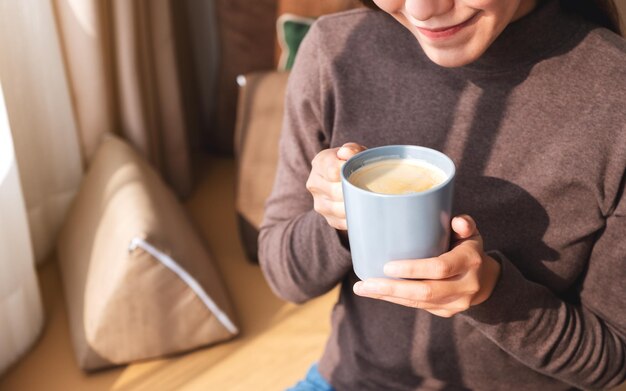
x=300, y=253
x=583, y=344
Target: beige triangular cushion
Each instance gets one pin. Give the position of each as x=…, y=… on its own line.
x=124, y=304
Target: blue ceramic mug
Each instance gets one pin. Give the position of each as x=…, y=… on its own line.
x=387, y=227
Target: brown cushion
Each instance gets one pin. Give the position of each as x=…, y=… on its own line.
x=247, y=34
x=259, y=120
x=139, y=282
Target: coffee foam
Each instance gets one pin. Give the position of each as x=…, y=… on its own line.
x=398, y=176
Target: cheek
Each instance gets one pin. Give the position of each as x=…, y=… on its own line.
x=500, y=11
x=496, y=15
x=481, y=4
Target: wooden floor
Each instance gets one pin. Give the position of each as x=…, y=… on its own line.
x=278, y=341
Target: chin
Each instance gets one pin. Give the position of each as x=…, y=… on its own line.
x=452, y=58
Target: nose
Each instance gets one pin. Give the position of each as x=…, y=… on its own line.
x=426, y=9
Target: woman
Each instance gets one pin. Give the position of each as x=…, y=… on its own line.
x=528, y=99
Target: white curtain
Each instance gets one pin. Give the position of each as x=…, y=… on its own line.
x=38, y=136
x=40, y=112
x=20, y=305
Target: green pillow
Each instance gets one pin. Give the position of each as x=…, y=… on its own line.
x=291, y=31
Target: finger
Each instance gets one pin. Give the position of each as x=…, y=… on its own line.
x=333, y=170
x=452, y=308
x=442, y=313
x=443, y=310
x=418, y=291
x=430, y=307
x=404, y=302
x=437, y=268
x=315, y=183
x=348, y=150
x=336, y=192
x=335, y=209
x=329, y=209
x=327, y=165
x=464, y=227
x=320, y=187
x=339, y=224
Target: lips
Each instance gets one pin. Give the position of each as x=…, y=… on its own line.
x=445, y=32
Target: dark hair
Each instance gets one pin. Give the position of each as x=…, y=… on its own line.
x=602, y=12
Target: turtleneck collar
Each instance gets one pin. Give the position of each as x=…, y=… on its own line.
x=542, y=33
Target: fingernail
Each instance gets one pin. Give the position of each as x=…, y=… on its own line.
x=357, y=288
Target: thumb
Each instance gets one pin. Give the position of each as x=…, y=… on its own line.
x=464, y=227
x=348, y=150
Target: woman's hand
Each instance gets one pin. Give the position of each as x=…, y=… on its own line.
x=324, y=183
x=444, y=285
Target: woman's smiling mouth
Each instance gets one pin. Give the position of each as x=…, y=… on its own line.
x=444, y=32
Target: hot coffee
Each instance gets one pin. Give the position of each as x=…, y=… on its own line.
x=397, y=176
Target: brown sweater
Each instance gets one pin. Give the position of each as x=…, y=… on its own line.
x=537, y=129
